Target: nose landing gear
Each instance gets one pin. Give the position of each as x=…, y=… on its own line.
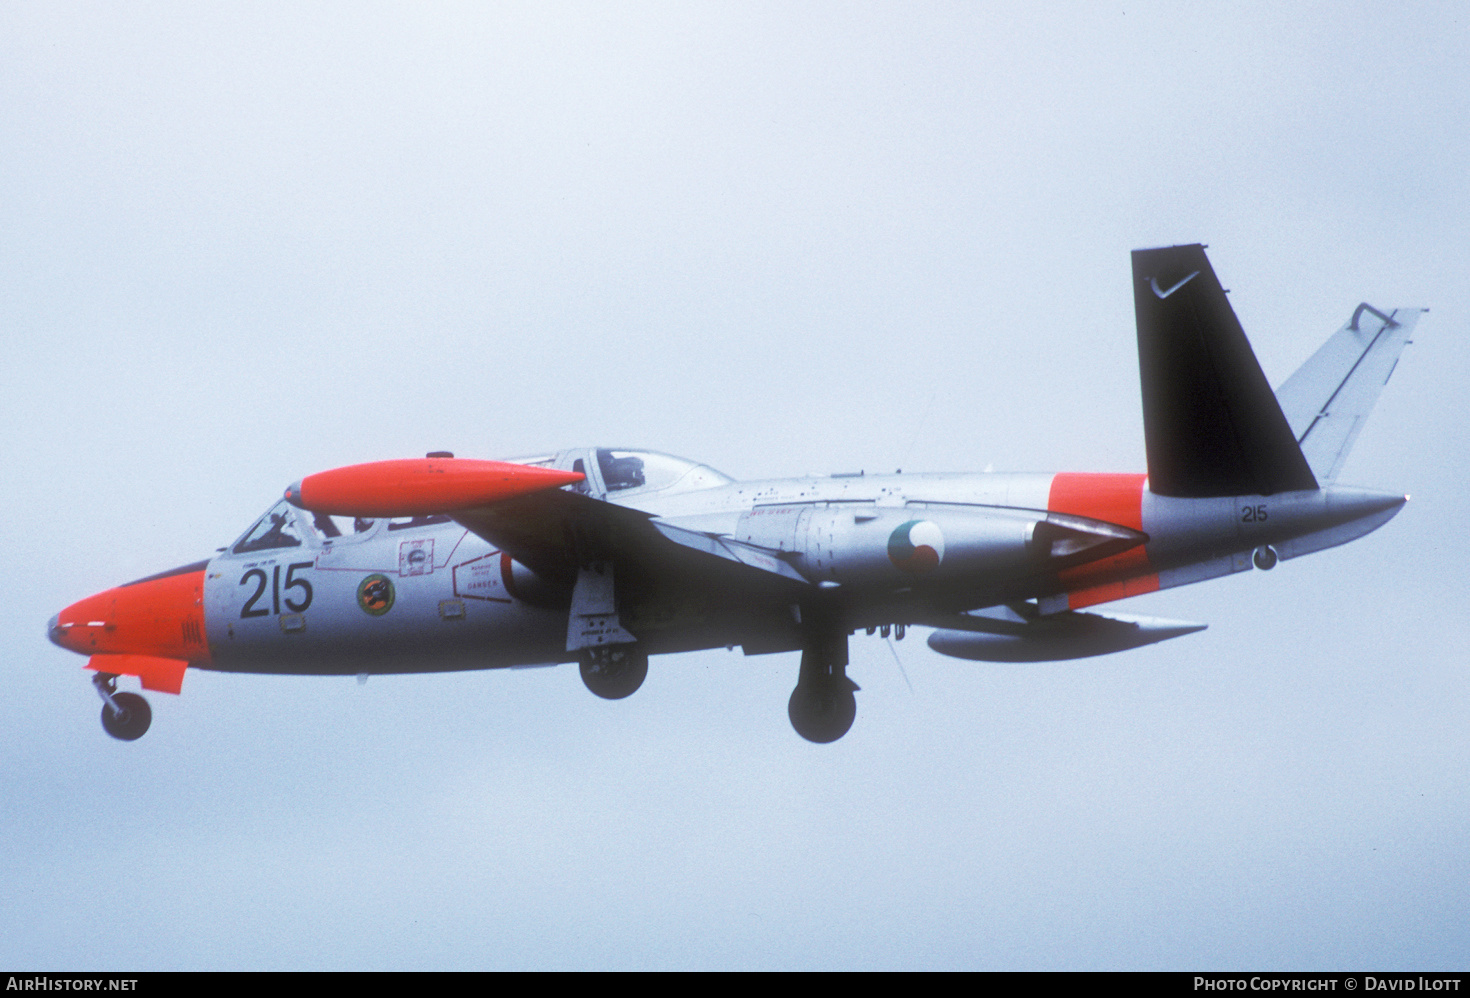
x=125, y=716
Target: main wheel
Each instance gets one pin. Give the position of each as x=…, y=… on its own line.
x=131, y=722
x=821, y=714
x=614, y=672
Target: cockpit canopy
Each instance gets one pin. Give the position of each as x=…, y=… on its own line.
x=277, y=529
x=633, y=472
x=286, y=526
x=650, y=471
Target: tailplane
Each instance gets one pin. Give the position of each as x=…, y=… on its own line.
x=1330, y=396
x=1212, y=425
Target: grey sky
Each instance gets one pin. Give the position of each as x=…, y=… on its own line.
x=242, y=243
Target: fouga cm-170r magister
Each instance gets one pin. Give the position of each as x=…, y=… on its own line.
x=606, y=556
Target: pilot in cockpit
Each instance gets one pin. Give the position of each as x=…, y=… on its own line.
x=620, y=473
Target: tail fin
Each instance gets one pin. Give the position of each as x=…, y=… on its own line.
x=1210, y=421
x=1330, y=396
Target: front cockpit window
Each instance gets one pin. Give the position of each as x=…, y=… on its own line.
x=286, y=526
x=277, y=529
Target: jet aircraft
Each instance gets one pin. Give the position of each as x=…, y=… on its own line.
x=604, y=556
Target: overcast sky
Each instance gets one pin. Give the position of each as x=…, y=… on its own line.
x=242, y=243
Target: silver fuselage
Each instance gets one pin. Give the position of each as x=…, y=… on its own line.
x=414, y=597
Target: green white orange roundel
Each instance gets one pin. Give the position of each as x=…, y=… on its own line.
x=916, y=546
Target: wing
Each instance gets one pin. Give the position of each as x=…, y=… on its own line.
x=554, y=532
x=525, y=511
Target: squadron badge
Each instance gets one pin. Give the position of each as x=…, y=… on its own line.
x=375, y=594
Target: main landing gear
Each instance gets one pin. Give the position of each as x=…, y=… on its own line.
x=613, y=666
x=614, y=671
x=822, y=707
x=125, y=716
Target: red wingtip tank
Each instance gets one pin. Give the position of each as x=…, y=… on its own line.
x=420, y=486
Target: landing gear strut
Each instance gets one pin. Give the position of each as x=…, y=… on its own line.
x=125, y=716
x=614, y=671
x=822, y=707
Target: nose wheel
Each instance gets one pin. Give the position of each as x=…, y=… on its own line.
x=125, y=716
x=130, y=722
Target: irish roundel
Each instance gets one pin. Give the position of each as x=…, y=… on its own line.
x=916, y=546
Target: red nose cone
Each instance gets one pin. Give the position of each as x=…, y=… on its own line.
x=160, y=616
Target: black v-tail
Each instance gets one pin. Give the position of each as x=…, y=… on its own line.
x=1210, y=420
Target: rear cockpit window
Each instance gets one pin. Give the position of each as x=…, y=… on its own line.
x=620, y=470
x=626, y=470
x=409, y=522
x=330, y=528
